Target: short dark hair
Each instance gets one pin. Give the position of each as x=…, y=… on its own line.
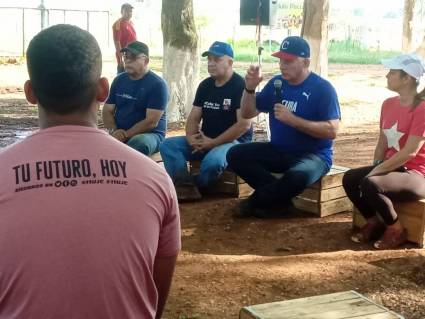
x=64, y=64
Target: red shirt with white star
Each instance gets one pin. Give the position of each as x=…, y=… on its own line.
x=397, y=123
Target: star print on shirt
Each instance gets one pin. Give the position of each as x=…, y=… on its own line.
x=393, y=136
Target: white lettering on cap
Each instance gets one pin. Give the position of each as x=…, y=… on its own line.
x=285, y=45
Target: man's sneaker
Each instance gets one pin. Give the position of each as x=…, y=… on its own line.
x=187, y=192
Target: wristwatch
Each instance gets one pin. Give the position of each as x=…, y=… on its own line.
x=377, y=162
x=249, y=91
x=111, y=130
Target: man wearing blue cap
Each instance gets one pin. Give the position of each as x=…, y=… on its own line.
x=217, y=106
x=303, y=117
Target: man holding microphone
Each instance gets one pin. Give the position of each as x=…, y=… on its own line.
x=304, y=116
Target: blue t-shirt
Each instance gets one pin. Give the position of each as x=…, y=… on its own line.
x=219, y=106
x=314, y=99
x=133, y=97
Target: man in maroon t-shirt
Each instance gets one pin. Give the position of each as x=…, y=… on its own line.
x=123, y=33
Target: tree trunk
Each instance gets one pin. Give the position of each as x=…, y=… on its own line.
x=421, y=49
x=406, y=43
x=180, y=57
x=315, y=31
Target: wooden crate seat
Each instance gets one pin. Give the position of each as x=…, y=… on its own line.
x=411, y=216
x=341, y=305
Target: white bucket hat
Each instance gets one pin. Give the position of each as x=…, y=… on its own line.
x=412, y=64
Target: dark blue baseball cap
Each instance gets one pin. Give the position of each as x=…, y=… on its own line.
x=219, y=49
x=292, y=48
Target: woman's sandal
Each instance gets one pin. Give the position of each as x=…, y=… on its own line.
x=369, y=232
x=392, y=238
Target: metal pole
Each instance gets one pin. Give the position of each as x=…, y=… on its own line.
x=42, y=9
x=23, y=32
x=109, y=43
x=88, y=20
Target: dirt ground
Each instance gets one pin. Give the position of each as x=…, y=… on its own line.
x=227, y=263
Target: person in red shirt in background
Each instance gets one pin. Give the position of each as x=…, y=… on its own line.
x=123, y=33
x=398, y=169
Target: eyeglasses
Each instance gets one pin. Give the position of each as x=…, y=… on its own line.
x=130, y=56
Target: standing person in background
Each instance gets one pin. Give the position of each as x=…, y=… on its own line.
x=123, y=33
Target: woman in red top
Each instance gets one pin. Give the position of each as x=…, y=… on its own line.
x=398, y=170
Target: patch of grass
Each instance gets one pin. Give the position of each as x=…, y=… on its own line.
x=350, y=51
x=247, y=51
x=347, y=51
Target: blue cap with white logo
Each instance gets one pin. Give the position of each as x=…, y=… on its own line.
x=293, y=47
x=219, y=49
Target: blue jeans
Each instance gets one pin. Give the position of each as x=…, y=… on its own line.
x=255, y=162
x=146, y=143
x=175, y=152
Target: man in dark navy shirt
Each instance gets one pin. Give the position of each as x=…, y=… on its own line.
x=216, y=105
x=134, y=112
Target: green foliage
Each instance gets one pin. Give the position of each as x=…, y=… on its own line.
x=246, y=50
x=347, y=51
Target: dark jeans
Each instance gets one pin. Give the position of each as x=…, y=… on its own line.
x=375, y=195
x=255, y=162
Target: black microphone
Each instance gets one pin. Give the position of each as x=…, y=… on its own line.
x=277, y=91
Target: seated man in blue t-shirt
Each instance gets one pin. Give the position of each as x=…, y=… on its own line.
x=216, y=105
x=304, y=117
x=134, y=112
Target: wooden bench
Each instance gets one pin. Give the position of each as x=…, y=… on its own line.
x=156, y=157
x=325, y=197
x=411, y=216
x=341, y=305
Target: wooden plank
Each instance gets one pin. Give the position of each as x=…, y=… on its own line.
x=344, y=295
x=414, y=227
x=311, y=194
x=383, y=315
x=335, y=206
x=343, y=309
x=244, y=190
x=229, y=177
x=323, y=209
x=332, y=193
x=156, y=157
x=323, y=195
x=331, y=180
x=349, y=304
x=306, y=205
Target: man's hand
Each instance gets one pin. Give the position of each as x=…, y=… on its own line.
x=282, y=114
x=253, y=77
x=120, y=135
x=193, y=140
x=204, y=143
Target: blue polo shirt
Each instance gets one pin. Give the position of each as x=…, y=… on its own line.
x=315, y=99
x=133, y=97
